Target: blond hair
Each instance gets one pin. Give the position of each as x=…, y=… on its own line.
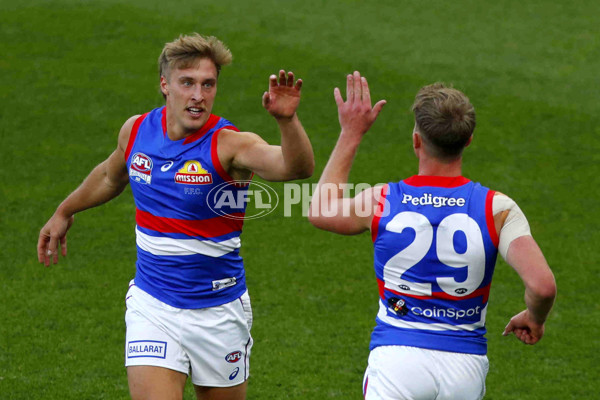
x=185, y=50
x=445, y=118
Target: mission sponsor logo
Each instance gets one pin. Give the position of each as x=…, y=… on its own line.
x=192, y=173
x=146, y=348
x=141, y=168
x=427, y=199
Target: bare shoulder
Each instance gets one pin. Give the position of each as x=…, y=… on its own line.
x=125, y=132
x=234, y=138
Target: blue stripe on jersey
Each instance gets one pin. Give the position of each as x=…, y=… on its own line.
x=184, y=280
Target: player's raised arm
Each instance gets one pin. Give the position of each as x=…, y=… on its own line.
x=520, y=251
x=329, y=210
x=294, y=159
x=106, y=181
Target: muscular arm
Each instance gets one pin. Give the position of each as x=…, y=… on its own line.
x=244, y=152
x=106, y=181
x=329, y=210
x=522, y=253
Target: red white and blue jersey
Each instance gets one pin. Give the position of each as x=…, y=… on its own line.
x=188, y=222
x=435, y=248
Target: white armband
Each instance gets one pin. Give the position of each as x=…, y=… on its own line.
x=515, y=225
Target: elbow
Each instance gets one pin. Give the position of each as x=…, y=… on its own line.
x=544, y=289
x=307, y=170
x=302, y=172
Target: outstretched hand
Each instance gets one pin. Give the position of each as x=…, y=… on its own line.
x=525, y=328
x=283, y=97
x=356, y=114
x=53, y=233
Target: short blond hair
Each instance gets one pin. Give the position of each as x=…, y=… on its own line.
x=445, y=118
x=185, y=50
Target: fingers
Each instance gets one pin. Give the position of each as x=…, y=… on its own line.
x=272, y=81
x=52, y=252
x=378, y=107
x=265, y=99
x=298, y=85
x=63, y=246
x=349, y=88
x=508, y=329
x=42, y=247
x=356, y=81
x=338, y=97
x=366, y=94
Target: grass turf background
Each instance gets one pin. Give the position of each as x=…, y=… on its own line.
x=72, y=72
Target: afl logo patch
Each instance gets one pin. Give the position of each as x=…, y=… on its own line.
x=192, y=173
x=233, y=357
x=141, y=168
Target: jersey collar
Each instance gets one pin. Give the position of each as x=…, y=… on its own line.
x=212, y=121
x=438, y=181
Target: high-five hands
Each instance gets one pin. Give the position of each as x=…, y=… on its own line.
x=283, y=97
x=356, y=114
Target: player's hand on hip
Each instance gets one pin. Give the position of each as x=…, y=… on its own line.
x=283, y=97
x=525, y=328
x=53, y=233
x=356, y=114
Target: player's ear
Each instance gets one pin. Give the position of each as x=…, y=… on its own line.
x=469, y=141
x=417, y=142
x=163, y=85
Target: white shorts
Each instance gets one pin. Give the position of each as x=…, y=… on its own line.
x=402, y=372
x=212, y=345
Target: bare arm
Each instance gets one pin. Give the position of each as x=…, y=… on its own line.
x=241, y=152
x=105, y=182
x=329, y=210
x=527, y=259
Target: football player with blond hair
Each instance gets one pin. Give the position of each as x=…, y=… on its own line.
x=188, y=310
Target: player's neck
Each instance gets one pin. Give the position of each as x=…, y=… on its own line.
x=433, y=167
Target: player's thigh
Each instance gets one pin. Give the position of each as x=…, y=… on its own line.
x=222, y=393
x=218, y=343
x=155, y=383
x=153, y=334
x=399, y=372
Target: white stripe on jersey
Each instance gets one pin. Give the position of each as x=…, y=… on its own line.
x=163, y=246
x=400, y=323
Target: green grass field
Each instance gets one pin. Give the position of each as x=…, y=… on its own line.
x=72, y=72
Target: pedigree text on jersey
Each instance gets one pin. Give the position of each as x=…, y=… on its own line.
x=427, y=199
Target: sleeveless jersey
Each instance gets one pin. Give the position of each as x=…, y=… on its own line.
x=188, y=223
x=435, y=249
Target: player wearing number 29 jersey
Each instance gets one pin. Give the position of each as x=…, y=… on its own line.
x=435, y=250
x=435, y=236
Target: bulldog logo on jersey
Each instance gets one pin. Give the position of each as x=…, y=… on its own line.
x=141, y=168
x=192, y=173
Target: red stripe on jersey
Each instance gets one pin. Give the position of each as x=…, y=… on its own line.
x=381, y=287
x=489, y=217
x=211, y=227
x=437, y=181
x=214, y=155
x=133, y=134
x=378, y=213
x=484, y=291
x=163, y=120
